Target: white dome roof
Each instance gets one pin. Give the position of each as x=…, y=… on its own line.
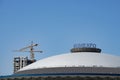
x=86, y=59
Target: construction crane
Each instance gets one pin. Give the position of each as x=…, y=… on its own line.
x=31, y=50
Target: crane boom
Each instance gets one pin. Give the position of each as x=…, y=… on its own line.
x=31, y=50
x=31, y=46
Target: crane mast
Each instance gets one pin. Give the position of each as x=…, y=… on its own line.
x=32, y=50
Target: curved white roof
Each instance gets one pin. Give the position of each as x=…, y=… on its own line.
x=86, y=59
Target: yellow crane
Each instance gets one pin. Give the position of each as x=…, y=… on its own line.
x=31, y=50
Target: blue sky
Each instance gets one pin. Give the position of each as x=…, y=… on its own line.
x=56, y=25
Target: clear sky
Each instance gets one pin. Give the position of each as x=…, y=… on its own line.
x=56, y=25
